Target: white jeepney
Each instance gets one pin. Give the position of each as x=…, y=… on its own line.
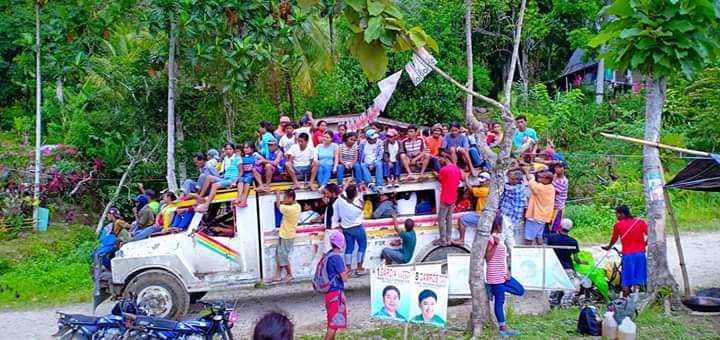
x=168, y=272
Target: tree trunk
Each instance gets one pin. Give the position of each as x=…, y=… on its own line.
x=289, y=92
x=468, y=57
x=525, y=72
x=180, y=135
x=172, y=68
x=333, y=52
x=658, y=270
x=115, y=195
x=229, y=117
x=38, y=116
x=600, y=82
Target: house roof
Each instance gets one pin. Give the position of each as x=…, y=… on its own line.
x=577, y=62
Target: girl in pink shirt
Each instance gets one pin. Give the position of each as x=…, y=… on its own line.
x=497, y=276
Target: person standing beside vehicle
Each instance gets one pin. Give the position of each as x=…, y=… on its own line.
x=498, y=277
x=632, y=233
x=540, y=207
x=512, y=206
x=449, y=178
x=290, y=211
x=335, y=303
x=566, y=256
x=348, y=214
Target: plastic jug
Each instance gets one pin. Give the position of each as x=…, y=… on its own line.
x=627, y=330
x=610, y=326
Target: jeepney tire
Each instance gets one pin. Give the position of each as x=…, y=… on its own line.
x=180, y=298
x=194, y=297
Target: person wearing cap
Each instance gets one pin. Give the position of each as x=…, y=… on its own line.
x=371, y=160
x=391, y=158
x=118, y=226
x=480, y=190
x=540, y=206
x=414, y=153
x=271, y=165
x=566, y=256
x=204, y=169
x=144, y=216
x=335, y=303
x=560, y=183
x=280, y=131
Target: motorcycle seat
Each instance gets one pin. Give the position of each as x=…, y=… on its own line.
x=156, y=323
x=79, y=319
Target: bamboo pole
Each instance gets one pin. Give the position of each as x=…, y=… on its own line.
x=676, y=234
x=655, y=144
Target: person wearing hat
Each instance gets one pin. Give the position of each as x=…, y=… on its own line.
x=391, y=157
x=118, y=226
x=566, y=255
x=271, y=165
x=480, y=190
x=144, y=216
x=371, y=160
x=540, y=206
x=335, y=303
x=280, y=131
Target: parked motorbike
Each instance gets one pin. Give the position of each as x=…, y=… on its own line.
x=215, y=322
x=107, y=327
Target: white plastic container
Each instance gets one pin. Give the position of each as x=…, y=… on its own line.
x=627, y=330
x=609, y=326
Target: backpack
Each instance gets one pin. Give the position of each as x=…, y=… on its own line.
x=321, y=282
x=589, y=322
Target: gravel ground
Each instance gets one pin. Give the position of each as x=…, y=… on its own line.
x=307, y=308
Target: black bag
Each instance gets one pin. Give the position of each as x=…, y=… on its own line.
x=589, y=322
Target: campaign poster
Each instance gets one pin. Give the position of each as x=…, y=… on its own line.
x=529, y=270
x=429, y=299
x=458, y=271
x=391, y=293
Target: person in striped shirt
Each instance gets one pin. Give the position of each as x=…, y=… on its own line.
x=414, y=153
x=348, y=152
x=497, y=276
x=560, y=182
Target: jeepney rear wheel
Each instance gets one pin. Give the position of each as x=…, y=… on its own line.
x=439, y=254
x=160, y=293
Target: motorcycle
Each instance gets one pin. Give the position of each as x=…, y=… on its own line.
x=216, y=320
x=107, y=327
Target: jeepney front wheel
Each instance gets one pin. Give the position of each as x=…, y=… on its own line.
x=160, y=294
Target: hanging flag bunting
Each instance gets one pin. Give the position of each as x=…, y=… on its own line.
x=387, y=87
x=418, y=68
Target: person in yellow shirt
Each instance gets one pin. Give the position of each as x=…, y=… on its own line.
x=480, y=191
x=290, y=211
x=540, y=206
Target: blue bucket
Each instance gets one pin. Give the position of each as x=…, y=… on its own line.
x=43, y=217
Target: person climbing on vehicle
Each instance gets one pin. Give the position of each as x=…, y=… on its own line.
x=566, y=256
x=407, y=242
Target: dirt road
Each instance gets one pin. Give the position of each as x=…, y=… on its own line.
x=307, y=308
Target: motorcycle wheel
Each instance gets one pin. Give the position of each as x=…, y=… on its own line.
x=225, y=335
x=75, y=335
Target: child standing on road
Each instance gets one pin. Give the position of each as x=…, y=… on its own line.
x=335, y=303
x=290, y=211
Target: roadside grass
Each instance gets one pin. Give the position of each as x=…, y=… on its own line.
x=44, y=269
x=558, y=324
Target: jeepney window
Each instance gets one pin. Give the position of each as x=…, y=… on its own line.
x=413, y=203
x=312, y=211
x=219, y=220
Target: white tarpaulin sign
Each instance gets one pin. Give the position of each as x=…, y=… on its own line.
x=387, y=87
x=529, y=270
x=418, y=68
x=458, y=270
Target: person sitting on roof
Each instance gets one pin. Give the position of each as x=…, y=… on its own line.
x=326, y=160
x=371, y=154
x=391, y=158
x=433, y=143
x=413, y=153
x=300, y=159
x=204, y=168
x=287, y=140
x=264, y=135
x=231, y=171
x=272, y=165
x=306, y=126
x=318, y=133
x=167, y=198
x=144, y=216
x=348, y=154
x=280, y=131
x=213, y=157
x=457, y=145
x=250, y=159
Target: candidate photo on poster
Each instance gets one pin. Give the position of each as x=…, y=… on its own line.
x=391, y=298
x=428, y=308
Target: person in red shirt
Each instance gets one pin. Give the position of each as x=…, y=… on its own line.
x=632, y=233
x=449, y=178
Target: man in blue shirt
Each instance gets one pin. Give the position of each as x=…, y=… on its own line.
x=523, y=132
x=455, y=143
x=407, y=240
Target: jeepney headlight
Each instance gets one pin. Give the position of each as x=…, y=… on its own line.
x=119, y=253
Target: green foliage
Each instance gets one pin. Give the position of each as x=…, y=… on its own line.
x=48, y=268
x=659, y=37
x=696, y=104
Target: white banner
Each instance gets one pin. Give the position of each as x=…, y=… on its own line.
x=387, y=87
x=418, y=68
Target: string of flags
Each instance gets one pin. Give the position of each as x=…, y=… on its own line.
x=418, y=68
